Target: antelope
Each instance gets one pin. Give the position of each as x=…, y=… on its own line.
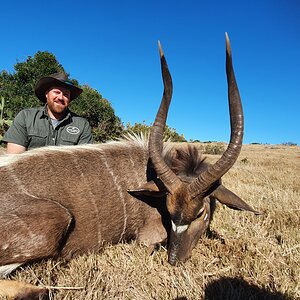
x=69, y=200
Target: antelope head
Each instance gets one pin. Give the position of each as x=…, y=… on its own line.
x=188, y=198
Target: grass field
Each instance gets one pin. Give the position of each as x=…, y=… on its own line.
x=253, y=257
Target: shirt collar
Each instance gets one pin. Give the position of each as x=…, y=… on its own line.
x=44, y=113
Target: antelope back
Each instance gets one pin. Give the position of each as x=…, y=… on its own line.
x=91, y=182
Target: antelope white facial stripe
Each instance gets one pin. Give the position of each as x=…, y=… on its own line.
x=180, y=228
x=201, y=210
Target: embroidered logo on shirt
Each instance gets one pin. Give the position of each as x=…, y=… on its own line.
x=72, y=130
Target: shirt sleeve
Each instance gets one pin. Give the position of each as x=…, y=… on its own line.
x=17, y=132
x=86, y=136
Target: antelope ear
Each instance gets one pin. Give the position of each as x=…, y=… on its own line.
x=231, y=200
x=150, y=188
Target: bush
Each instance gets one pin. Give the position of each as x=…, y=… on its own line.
x=100, y=114
x=289, y=144
x=245, y=161
x=169, y=134
x=214, y=149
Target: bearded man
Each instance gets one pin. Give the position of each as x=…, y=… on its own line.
x=51, y=124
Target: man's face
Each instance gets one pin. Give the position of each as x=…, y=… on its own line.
x=58, y=100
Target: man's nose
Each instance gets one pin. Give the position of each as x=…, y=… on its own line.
x=61, y=95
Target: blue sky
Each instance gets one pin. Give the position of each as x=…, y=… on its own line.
x=112, y=46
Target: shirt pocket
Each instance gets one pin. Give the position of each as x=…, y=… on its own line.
x=36, y=139
x=68, y=139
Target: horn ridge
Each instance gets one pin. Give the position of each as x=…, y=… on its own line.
x=166, y=175
x=214, y=172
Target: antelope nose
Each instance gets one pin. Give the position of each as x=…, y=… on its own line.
x=172, y=260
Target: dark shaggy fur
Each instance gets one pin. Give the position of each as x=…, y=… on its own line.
x=186, y=162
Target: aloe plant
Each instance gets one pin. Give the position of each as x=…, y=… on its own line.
x=5, y=123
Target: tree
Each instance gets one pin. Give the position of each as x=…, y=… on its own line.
x=101, y=116
x=172, y=135
x=18, y=88
x=138, y=128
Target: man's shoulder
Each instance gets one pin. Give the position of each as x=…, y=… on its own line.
x=31, y=110
x=28, y=113
x=77, y=118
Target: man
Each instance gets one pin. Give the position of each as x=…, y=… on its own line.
x=53, y=124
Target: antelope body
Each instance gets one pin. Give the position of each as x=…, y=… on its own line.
x=64, y=201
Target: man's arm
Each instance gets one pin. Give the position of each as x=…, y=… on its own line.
x=12, y=148
x=86, y=136
x=16, y=136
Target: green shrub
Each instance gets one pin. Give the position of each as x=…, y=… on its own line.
x=169, y=134
x=100, y=114
x=5, y=122
x=245, y=161
x=214, y=149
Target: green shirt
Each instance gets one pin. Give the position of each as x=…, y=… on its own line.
x=33, y=128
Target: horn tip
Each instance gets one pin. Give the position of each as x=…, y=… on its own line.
x=160, y=49
x=228, y=48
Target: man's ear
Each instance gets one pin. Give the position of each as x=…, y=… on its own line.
x=149, y=189
x=46, y=94
x=231, y=200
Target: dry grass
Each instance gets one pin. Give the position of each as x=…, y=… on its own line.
x=258, y=259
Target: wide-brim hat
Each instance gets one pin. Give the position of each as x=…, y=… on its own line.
x=58, y=79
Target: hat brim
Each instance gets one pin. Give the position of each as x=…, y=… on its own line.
x=45, y=83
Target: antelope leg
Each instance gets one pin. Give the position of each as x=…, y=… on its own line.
x=31, y=229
